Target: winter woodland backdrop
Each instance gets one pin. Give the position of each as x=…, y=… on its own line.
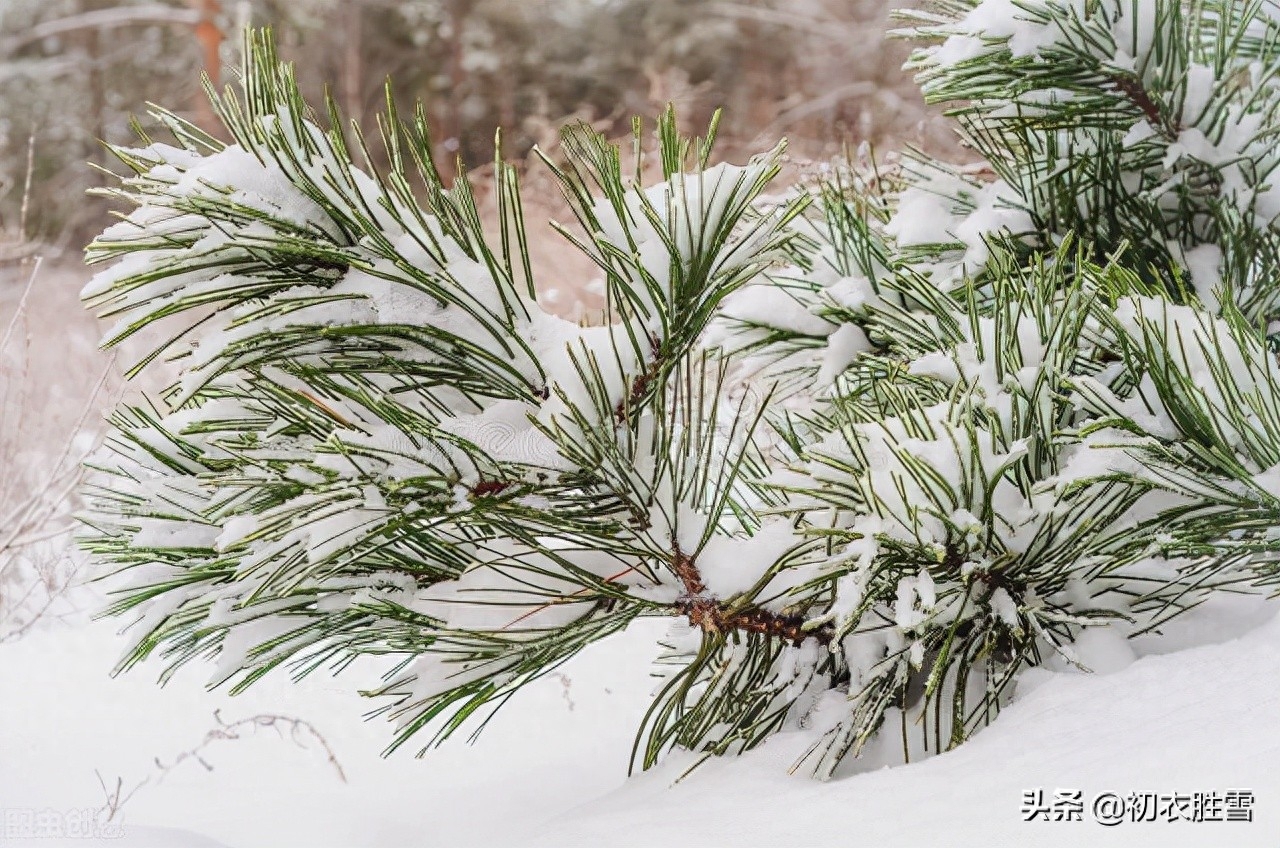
x=75, y=73
x=818, y=71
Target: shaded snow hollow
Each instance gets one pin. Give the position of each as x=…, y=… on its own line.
x=549, y=772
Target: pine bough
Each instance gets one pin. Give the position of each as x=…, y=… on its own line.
x=872, y=449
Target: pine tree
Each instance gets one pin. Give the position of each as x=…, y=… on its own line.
x=873, y=449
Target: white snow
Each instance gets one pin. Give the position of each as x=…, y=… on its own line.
x=992, y=24
x=1200, y=720
x=732, y=564
x=563, y=741
x=549, y=772
x=1204, y=262
x=843, y=347
x=504, y=432
x=771, y=305
x=944, y=211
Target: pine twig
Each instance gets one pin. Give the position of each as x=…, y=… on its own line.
x=714, y=616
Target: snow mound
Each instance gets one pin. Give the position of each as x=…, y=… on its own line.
x=550, y=770
x=1198, y=720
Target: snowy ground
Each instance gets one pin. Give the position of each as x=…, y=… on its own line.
x=1197, y=720
x=1198, y=712
x=64, y=723
x=550, y=770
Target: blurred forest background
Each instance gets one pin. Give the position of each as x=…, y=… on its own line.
x=73, y=72
x=819, y=72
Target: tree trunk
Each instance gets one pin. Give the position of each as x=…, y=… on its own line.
x=210, y=37
x=451, y=129
x=353, y=62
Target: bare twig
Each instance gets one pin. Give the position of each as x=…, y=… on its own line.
x=26, y=188
x=99, y=19
x=41, y=451
x=299, y=731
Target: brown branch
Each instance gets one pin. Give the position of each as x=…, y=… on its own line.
x=1131, y=87
x=712, y=616
x=687, y=571
x=640, y=385
x=489, y=488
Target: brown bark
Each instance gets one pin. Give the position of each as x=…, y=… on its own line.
x=713, y=616
x=1131, y=87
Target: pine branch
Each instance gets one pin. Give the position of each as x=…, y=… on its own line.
x=718, y=617
x=895, y=437
x=1132, y=88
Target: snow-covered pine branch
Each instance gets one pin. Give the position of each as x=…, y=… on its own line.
x=379, y=443
x=874, y=449
x=1032, y=395
x=1145, y=125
